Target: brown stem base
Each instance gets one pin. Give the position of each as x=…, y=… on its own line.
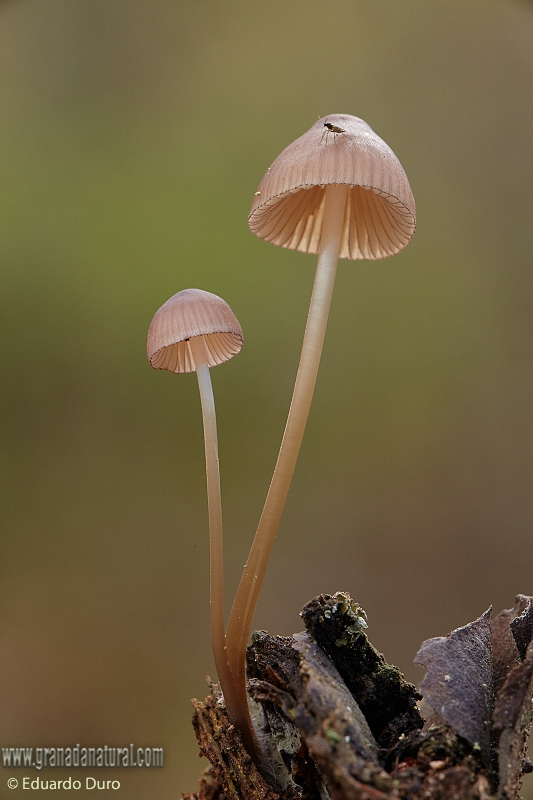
x=232, y=774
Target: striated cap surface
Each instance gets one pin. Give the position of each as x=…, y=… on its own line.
x=380, y=214
x=190, y=313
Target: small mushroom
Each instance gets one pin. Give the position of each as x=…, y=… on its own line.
x=191, y=332
x=343, y=195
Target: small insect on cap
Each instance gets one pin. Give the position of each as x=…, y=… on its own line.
x=288, y=207
x=190, y=313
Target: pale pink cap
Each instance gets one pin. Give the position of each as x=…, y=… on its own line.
x=189, y=313
x=288, y=207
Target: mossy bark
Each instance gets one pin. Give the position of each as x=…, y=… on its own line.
x=342, y=724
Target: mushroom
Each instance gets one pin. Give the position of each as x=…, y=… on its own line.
x=191, y=332
x=343, y=195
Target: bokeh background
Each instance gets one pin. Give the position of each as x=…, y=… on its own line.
x=133, y=134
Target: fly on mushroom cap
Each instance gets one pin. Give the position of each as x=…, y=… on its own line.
x=189, y=313
x=379, y=218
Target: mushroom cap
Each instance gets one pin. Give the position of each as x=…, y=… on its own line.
x=189, y=313
x=288, y=207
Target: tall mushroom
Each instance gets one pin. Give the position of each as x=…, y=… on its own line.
x=340, y=195
x=191, y=332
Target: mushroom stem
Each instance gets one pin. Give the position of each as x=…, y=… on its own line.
x=240, y=621
x=237, y=711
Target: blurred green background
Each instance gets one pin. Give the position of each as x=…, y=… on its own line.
x=133, y=134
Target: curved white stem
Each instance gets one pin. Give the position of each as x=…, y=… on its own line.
x=237, y=712
x=240, y=621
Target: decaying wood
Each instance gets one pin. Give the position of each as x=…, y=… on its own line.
x=232, y=773
x=339, y=723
